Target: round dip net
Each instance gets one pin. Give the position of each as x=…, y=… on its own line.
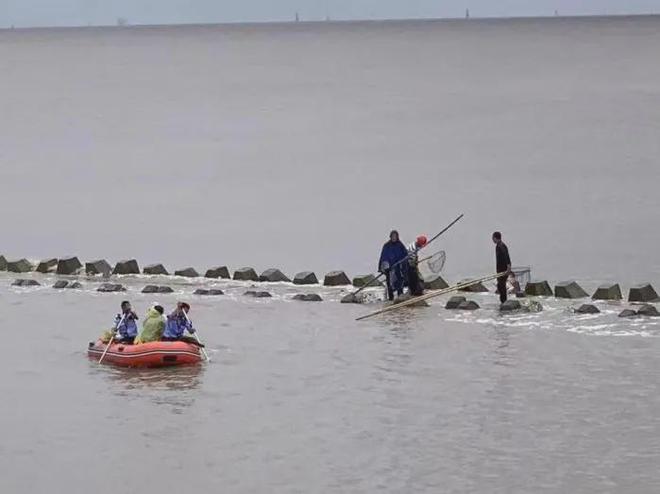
x=432, y=264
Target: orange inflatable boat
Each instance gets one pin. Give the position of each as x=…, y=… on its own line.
x=154, y=354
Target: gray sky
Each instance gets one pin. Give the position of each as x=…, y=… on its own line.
x=23, y=13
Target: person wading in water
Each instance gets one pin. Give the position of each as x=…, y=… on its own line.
x=415, y=281
x=503, y=264
x=392, y=265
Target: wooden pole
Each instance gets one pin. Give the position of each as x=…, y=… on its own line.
x=206, y=355
x=374, y=279
x=428, y=296
x=112, y=338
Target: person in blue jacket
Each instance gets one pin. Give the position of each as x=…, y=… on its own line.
x=125, y=325
x=178, y=322
x=392, y=264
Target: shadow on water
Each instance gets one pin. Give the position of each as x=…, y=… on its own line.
x=175, y=388
x=177, y=378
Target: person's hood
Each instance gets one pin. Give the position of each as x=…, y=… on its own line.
x=153, y=313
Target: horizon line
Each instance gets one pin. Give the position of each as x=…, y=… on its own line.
x=330, y=21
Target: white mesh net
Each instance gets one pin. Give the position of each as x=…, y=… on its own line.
x=432, y=264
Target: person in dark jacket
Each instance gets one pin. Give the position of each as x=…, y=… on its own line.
x=503, y=264
x=392, y=264
x=415, y=281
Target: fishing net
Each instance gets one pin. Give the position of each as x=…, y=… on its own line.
x=522, y=275
x=433, y=264
x=517, y=281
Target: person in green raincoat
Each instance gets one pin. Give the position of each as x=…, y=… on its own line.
x=153, y=326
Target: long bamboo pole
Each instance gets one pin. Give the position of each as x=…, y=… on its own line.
x=112, y=338
x=428, y=296
x=374, y=279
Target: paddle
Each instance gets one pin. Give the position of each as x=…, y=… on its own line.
x=112, y=338
x=414, y=300
x=374, y=279
x=206, y=355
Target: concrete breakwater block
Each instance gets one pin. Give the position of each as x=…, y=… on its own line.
x=642, y=293
x=608, y=291
x=350, y=298
x=364, y=279
x=569, y=289
x=218, y=272
x=336, y=278
x=628, y=313
x=274, y=275
x=511, y=306
x=454, y=302
x=69, y=265
x=477, y=287
x=100, y=266
x=3, y=263
x=246, y=274
x=47, y=266
x=435, y=282
x=305, y=278
x=25, y=283
x=212, y=291
x=65, y=284
x=468, y=305
x=587, y=309
x=648, y=310
x=129, y=266
x=69, y=285
x=308, y=297
x=157, y=289
x=155, y=270
x=257, y=294
x=110, y=288
x=20, y=266
x=404, y=298
x=538, y=289
x=187, y=273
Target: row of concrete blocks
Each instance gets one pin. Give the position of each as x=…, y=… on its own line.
x=73, y=266
x=571, y=290
x=461, y=303
x=455, y=302
x=116, y=287
x=647, y=310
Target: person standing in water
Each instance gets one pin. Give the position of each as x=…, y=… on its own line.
x=391, y=264
x=415, y=282
x=503, y=264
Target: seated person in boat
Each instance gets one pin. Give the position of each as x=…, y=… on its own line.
x=153, y=326
x=178, y=322
x=415, y=282
x=125, y=326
